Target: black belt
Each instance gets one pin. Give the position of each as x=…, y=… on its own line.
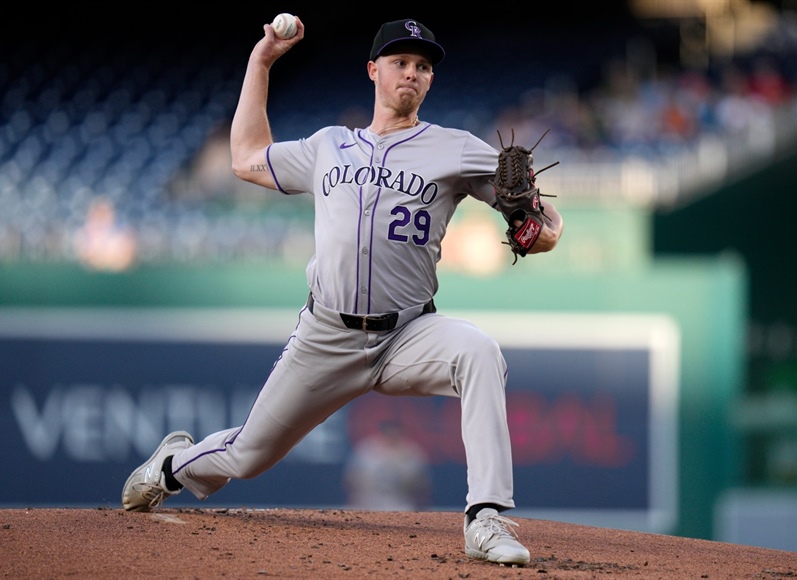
x=373, y=323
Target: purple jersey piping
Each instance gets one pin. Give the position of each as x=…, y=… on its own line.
x=378, y=195
x=271, y=169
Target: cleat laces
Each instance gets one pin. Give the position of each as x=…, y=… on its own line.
x=500, y=526
x=152, y=492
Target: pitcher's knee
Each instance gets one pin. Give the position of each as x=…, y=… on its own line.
x=480, y=344
x=481, y=350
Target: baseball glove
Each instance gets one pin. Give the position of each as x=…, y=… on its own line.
x=517, y=195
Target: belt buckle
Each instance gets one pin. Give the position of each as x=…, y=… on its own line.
x=375, y=323
x=372, y=319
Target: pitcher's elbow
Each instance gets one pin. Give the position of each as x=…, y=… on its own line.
x=240, y=170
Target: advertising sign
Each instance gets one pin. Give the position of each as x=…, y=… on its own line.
x=87, y=394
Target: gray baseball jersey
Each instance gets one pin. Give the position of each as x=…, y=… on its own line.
x=382, y=206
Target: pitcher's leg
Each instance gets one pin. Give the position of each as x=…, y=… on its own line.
x=285, y=411
x=439, y=355
x=306, y=386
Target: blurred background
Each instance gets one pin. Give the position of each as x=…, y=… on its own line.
x=674, y=123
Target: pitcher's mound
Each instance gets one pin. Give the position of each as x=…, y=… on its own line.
x=308, y=543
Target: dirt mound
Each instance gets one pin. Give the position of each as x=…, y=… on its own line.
x=309, y=543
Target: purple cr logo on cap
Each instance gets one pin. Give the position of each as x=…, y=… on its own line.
x=415, y=30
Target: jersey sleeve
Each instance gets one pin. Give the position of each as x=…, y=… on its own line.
x=479, y=160
x=292, y=163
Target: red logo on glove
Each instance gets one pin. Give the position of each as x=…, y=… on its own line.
x=528, y=233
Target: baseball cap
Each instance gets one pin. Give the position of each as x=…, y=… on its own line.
x=408, y=31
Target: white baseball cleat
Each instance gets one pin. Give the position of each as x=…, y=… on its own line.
x=145, y=488
x=491, y=537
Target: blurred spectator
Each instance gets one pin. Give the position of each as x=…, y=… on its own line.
x=102, y=243
x=677, y=115
x=698, y=95
x=626, y=115
x=742, y=116
x=209, y=176
x=768, y=84
x=387, y=471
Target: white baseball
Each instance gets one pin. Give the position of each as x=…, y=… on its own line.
x=284, y=25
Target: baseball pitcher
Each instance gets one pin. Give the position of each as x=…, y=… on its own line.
x=383, y=195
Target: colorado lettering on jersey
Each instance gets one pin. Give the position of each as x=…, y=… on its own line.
x=408, y=184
